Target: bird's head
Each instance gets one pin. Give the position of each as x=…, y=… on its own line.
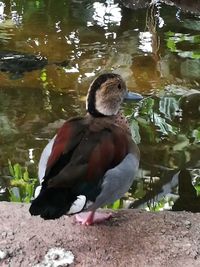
x=106, y=94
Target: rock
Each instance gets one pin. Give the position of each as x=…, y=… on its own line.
x=187, y=224
x=57, y=257
x=132, y=237
x=3, y=254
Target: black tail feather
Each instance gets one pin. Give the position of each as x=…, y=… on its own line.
x=52, y=203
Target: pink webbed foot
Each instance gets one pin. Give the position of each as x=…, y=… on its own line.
x=88, y=218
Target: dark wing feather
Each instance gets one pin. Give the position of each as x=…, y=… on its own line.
x=80, y=157
x=67, y=139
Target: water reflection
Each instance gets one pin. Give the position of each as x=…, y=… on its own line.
x=156, y=50
x=146, y=42
x=2, y=16
x=106, y=14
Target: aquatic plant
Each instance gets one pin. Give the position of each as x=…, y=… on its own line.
x=22, y=186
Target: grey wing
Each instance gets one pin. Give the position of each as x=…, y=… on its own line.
x=117, y=182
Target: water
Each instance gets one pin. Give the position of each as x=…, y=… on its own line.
x=156, y=50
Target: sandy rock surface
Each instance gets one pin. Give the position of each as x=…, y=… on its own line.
x=130, y=238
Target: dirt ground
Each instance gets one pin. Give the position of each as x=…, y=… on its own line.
x=130, y=238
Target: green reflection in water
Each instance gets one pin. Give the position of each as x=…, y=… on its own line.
x=155, y=49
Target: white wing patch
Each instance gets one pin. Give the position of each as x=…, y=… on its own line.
x=77, y=205
x=43, y=164
x=44, y=158
x=37, y=191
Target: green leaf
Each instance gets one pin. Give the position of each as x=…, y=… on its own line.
x=11, y=170
x=197, y=187
x=22, y=186
x=116, y=204
x=169, y=33
x=171, y=45
x=15, y=194
x=17, y=171
x=26, y=175
x=139, y=192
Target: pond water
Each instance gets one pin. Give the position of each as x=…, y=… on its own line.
x=155, y=49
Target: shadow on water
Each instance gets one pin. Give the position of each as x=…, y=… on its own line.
x=156, y=50
x=17, y=63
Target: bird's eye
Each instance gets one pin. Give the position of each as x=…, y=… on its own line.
x=119, y=86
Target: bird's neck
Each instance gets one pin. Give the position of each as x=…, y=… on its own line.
x=122, y=121
x=119, y=119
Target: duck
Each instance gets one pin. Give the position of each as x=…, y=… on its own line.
x=92, y=160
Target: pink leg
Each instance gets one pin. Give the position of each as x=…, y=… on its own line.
x=91, y=217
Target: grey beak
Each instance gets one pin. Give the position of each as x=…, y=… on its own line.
x=132, y=96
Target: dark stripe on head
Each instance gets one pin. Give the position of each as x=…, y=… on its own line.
x=92, y=93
